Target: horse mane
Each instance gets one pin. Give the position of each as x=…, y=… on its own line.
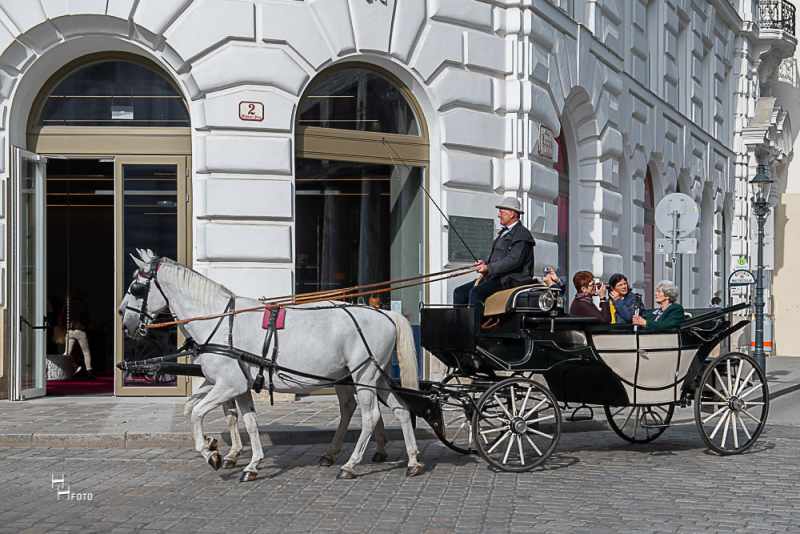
x=205, y=290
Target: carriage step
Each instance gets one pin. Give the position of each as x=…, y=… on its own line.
x=677, y=423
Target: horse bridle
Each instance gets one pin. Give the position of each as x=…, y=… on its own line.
x=141, y=290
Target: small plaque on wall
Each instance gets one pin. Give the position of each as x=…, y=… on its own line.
x=546, y=142
x=476, y=232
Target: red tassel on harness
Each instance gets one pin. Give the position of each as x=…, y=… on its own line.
x=280, y=320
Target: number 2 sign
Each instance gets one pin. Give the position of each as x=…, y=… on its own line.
x=251, y=111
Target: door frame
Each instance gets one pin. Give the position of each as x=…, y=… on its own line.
x=184, y=194
x=18, y=157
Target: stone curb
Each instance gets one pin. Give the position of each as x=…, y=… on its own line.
x=183, y=440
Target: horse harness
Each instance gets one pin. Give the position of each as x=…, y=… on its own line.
x=265, y=361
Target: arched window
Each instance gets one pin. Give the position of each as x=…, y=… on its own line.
x=361, y=157
x=649, y=239
x=562, y=166
x=112, y=92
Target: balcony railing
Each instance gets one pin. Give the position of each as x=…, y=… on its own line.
x=777, y=15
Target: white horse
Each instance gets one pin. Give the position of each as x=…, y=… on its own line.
x=319, y=340
x=347, y=407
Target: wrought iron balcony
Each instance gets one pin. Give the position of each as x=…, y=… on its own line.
x=776, y=15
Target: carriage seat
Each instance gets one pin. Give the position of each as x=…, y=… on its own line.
x=503, y=301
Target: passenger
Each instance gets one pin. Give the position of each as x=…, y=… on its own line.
x=623, y=300
x=586, y=286
x=668, y=314
x=510, y=262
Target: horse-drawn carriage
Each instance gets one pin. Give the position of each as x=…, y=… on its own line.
x=495, y=402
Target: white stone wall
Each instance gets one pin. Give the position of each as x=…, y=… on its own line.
x=635, y=85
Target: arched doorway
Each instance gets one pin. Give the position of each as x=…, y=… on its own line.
x=649, y=239
x=562, y=205
x=114, y=131
x=361, y=159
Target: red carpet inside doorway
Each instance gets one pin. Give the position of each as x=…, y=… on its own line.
x=102, y=385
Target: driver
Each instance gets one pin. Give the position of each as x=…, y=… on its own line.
x=509, y=264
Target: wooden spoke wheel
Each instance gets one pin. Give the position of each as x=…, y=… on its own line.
x=517, y=424
x=732, y=403
x=458, y=407
x=639, y=424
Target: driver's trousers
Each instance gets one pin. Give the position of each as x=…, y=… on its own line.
x=475, y=296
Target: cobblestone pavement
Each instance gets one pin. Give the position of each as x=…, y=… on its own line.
x=594, y=483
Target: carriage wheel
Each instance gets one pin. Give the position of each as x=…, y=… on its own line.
x=732, y=403
x=457, y=408
x=639, y=424
x=517, y=424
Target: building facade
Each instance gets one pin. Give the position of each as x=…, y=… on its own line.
x=281, y=146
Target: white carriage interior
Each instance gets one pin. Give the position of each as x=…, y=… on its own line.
x=652, y=372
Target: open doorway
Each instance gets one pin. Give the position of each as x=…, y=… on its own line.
x=80, y=276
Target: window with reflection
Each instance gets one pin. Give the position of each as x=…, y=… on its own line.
x=359, y=224
x=114, y=93
x=357, y=99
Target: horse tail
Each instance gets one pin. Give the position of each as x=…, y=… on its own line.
x=406, y=352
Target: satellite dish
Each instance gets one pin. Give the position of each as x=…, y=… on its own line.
x=680, y=208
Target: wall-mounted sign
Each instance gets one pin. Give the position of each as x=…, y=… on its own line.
x=546, y=142
x=477, y=233
x=741, y=277
x=251, y=111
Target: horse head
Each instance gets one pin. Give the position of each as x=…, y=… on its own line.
x=144, y=299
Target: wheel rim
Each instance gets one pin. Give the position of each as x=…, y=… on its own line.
x=457, y=410
x=517, y=425
x=639, y=424
x=732, y=404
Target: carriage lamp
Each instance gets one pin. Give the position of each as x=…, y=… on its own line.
x=547, y=301
x=761, y=188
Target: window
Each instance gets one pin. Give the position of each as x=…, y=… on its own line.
x=114, y=93
x=357, y=99
x=359, y=171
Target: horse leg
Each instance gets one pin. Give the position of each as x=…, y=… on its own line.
x=201, y=392
x=380, y=455
x=208, y=447
x=415, y=467
x=370, y=413
x=245, y=404
x=347, y=406
x=232, y=417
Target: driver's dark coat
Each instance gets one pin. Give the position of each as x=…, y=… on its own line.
x=511, y=258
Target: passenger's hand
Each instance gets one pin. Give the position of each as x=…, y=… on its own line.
x=614, y=294
x=602, y=291
x=638, y=320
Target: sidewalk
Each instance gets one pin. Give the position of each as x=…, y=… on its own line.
x=125, y=422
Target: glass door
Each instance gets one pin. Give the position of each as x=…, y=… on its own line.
x=151, y=209
x=28, y=313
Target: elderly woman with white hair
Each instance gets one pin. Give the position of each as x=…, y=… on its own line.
x=667, y=314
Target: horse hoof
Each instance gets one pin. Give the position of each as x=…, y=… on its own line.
x=346, y=474
x=228, y=463
x=215, y=460
x=415, y=470
x=326, y=461
x=379, y=457
x=248, y=476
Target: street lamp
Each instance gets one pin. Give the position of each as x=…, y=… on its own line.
x=761, y=186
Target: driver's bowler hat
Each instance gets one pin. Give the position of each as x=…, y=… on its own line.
x=510, y=203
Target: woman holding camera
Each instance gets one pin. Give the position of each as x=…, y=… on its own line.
x=587, y=286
